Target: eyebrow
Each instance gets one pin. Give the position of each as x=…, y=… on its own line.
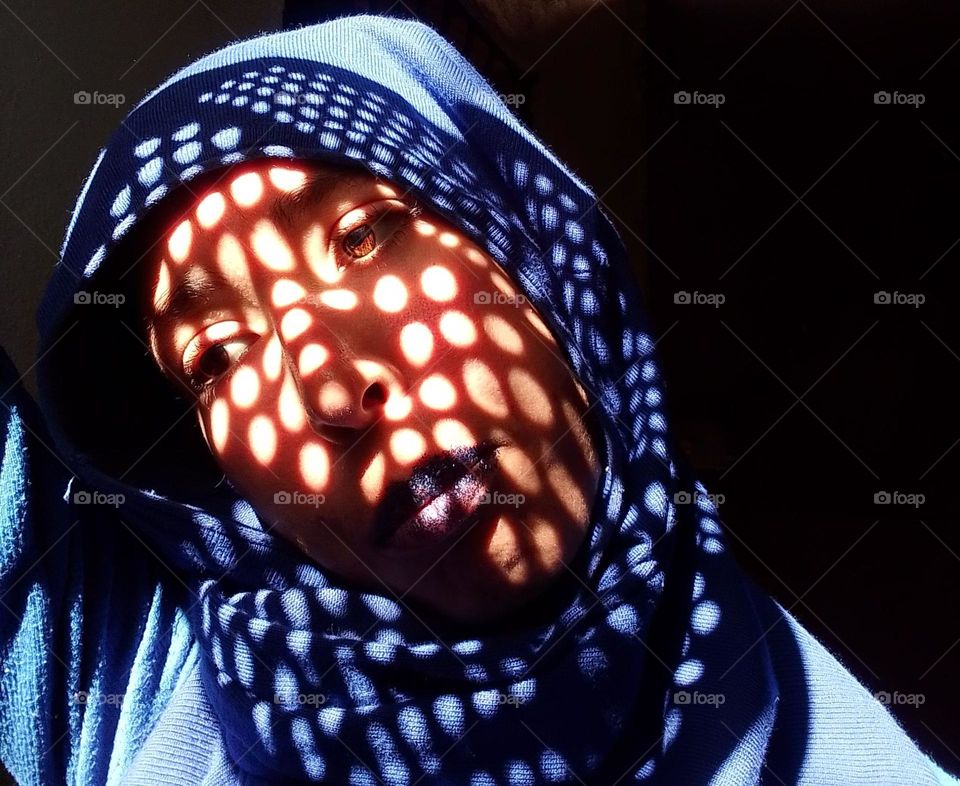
x=188, y=295
x=291, y=205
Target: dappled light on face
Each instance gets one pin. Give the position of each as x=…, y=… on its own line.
x=438, y=283
x=333, y=399
x=407, y=445
x=315, y=466
x=244, y=387
x=530, y=396
x=295, y=323
x=390, y=294
x=273, y=359
x=161, y=285
x=220, y=423
x=263, y=439
x=503, y=334
x=179, y=244
x=416, y=341
x=483, y=388
x=291, y=411
x=231, y=258
x=340, y=299
x=371, y=482
x=449, y=239
x=521, y=469
x=334, y=363
x=318, y=260
x=436, y=392
x=458, y=329
x=210, y=210
x=247, y=189
x=286, y=292
x=287, y=178
x=312, y=357
x=270, y=247
x=398, y=407
x=450, y=433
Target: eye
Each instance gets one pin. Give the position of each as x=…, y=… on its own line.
x=365, y=231
x=211, y=354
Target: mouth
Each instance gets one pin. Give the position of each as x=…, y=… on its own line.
x=441, y=496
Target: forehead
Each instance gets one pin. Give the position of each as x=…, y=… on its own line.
x=256, y=205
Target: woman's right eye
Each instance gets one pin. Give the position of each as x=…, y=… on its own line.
x=208, y=364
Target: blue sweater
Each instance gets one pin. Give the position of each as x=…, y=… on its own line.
x=146, y=618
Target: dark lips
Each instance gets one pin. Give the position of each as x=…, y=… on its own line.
x=438, y=496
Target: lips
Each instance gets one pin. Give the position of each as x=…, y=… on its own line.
x=441, y=495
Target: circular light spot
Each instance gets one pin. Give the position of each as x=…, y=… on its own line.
x=450, y=434
x=263, y=439
x=287, y=179
x=179, y=243
x=315, y=465
x=484, y=389
x=340, y=299
x=244, y=387
x=449, y=239
x=390, y=294
x=270, y=247
x=503, y=334
x=437, y=392
x=530, y=396
x=371, y=482
x=416, y=341
x=294, y=323
x=272, y=359
x=286, y=292
x=397, y=407
x=457, y=328
x=407, y=445
x=247, y=189
x=220, y=423
x=312, y=356
x=334, y=398
x=290, y=409
x=210, y=209
x=438, y=283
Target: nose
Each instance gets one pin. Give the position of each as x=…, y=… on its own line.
x=343, y=392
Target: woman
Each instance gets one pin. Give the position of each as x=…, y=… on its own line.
x=353, y=468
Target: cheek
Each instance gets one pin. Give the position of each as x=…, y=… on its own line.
x=256, y=429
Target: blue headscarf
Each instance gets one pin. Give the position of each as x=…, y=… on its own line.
x=652, y=660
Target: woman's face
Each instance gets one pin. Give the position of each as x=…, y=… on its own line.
x=375, y=386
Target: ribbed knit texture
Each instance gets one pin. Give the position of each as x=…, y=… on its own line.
x=653, y=660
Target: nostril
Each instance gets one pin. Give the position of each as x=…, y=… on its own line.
x=374, y=396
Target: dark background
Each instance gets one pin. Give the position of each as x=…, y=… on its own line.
x=797, y=200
